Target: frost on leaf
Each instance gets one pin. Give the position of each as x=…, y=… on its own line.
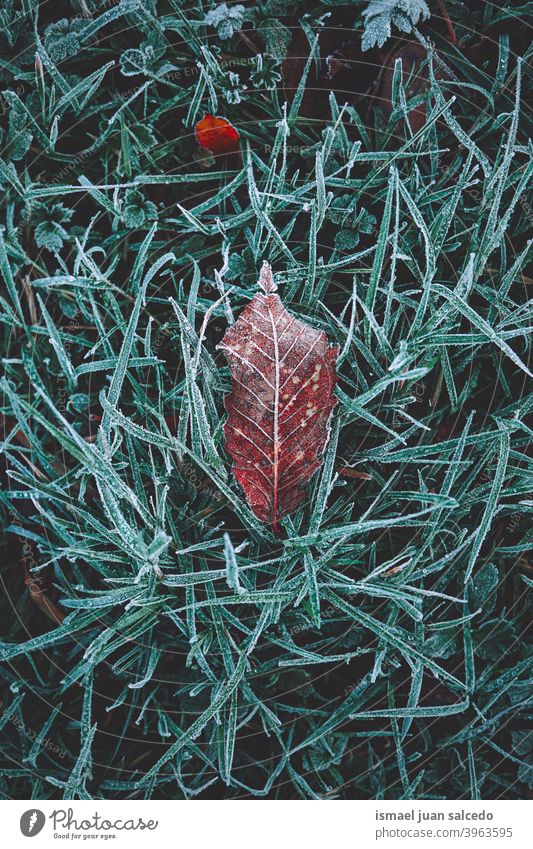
x=381, y=14
x=226, y=19
x=280, y=405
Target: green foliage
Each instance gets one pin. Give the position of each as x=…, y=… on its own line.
x=137, y=210
x=19, y=137
x=276, y=37
x=266, y=73
x=170, y=646
x=49, y=219
x=63, y=39
x=227, y=20
x=381, y=14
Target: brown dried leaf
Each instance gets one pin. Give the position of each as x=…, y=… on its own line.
x=280, y=405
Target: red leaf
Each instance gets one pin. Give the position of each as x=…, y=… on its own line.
x=217, y=135
x=280, y=405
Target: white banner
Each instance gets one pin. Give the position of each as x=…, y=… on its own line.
x=259, y=824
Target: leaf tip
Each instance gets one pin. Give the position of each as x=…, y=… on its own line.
x=266, y=279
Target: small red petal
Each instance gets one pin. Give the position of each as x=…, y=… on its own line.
x=217, y=135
